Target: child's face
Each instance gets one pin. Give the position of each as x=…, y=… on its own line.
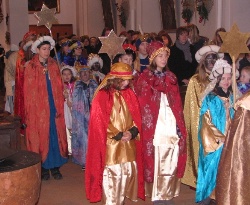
x=244, y=77
x=210, y=61
x=43, y=52
x=126, y=59
x=124, y=84
x=226, y=81
x=143, y=48
x=66, y=75
x=85, y=75
x=78, y=51
x=161, y=59
x=65, y=49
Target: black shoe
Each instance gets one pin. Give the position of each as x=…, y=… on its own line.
x=56, y=173
x=45, y=174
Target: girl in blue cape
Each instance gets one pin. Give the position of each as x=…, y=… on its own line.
x=215, y=117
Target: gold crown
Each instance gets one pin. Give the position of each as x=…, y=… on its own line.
x=79, y=67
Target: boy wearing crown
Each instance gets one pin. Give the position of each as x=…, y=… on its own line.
x=44, y=109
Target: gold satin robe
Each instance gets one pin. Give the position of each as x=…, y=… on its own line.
x=191, y=116
x=120, y=172
x=233, y=179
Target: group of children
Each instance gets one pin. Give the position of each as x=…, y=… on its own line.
x=129, y=135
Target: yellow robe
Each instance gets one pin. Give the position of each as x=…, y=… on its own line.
x=192, y=107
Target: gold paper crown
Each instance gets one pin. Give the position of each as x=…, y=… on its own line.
x=144, y=37
x=64, y=40
x=76, y=44
x=80, y=67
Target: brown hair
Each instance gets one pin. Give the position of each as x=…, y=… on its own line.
x=215, y=90
x=116, y=84
x=153, y=67
x=193, y=33
x=73, y=79
x=180, y=31
x=165, y=33
x=247, y=69
x=202, y=74
x=214, y=41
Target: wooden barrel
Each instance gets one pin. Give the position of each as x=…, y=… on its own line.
x=20, y=177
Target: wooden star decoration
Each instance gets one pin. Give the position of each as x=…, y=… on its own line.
x=46, y=17
x=112, y=45
x=234, y=42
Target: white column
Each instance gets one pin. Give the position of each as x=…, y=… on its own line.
x=219, y=13
x=18, y=20
x=138, y=15
x=85, y=17
x=81, y=17
x=132, y=14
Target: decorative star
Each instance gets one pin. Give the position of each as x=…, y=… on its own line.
x=234, y=42
x=46, y=16
x=112, y=45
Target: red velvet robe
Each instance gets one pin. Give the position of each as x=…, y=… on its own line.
x=37, y=109
x=19, y=79
x=148, y=88
x=97, y=138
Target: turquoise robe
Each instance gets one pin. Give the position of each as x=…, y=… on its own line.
x=208, y=164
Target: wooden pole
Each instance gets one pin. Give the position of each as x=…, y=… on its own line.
x=234, y=81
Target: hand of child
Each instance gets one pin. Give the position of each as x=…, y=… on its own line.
x=69, y=104
x=126, y=136
x=185, y=81
x=65, y=94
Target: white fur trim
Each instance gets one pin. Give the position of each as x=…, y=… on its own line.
x=70, y=68
x=95, y=59
x=42, y=39
x=27, y=45
x=220, y=67
x=207, y=49
x=14, y=47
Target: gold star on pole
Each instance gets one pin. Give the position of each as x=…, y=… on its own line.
x=46, y=16
x=112, y=45
x=234, y=42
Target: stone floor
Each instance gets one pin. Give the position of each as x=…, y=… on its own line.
x=70, y=190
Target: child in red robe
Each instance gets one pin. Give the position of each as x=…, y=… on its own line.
x=44, y=109
x=114, y=156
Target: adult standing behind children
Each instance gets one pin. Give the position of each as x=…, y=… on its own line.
x=182, y=59
x=44, y=109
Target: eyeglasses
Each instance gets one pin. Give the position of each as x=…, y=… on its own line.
x=77, y=48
